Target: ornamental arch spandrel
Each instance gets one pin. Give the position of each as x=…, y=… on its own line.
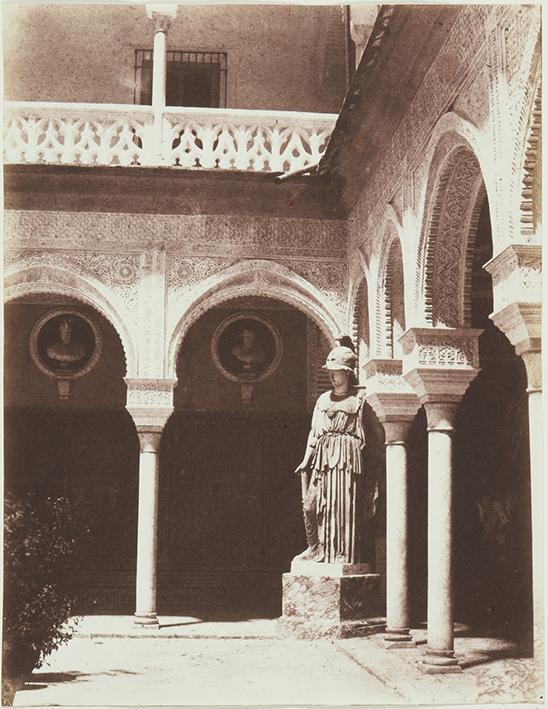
x=252, y=278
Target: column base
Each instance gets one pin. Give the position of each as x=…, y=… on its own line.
x=328, y=601
x=146, y=620
x=398, y=638
x=440, y=662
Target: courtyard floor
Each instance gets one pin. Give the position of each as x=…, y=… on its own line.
x=189, y=661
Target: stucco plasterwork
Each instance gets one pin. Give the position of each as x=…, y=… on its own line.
x=441, y=83
x=185, y=234
x=440, y=348
x=472, y=101
x=517, y=275
x=150, y=401
x=57, y=278
x=439, y=364
x=249, y=278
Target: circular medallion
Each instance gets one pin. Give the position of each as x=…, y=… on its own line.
x=246, y=348
x=65, y=343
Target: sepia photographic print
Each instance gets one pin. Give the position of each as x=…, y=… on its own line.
x=273, y=424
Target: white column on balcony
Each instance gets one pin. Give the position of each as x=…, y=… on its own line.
x=440, y=364
x=362, y=20
x=150, y=403
x=161, y=15
x=517, y=289
x=395, y=405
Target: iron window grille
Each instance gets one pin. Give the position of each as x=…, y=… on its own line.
x=192, y=78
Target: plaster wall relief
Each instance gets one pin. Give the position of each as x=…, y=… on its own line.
x=249, y=278
x=58, y=277
x=152, y=313
x=517, y=275
x=203, y=235
x=440, y=348
x=450, y=222
x=150, y=402
x=514, y=61
x=449, y=70
x=472, y=101
x=518, y=34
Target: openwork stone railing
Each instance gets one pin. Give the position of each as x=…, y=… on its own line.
x=103, y=134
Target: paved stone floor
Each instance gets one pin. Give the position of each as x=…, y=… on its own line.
x=190, y=662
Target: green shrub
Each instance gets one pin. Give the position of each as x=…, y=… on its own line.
x=39, y=537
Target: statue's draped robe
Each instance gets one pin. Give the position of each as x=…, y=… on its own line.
x=337, y=467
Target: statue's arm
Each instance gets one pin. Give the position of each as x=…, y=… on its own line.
x=310, y=445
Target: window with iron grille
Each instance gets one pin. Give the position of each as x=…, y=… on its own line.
x=193, y=78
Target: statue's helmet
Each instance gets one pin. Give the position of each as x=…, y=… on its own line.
x=341, y=358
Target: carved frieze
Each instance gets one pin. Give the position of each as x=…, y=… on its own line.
x=440, y=363
x=184, y=272
x=204, y=235
x=440, y=348
x=472, y=103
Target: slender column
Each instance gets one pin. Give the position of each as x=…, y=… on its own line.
x=159, y=64
x=150, y=403
x=147, y=529
x=396, y=405
x=162, y=16
x=440, y=363
x=517, y=285
x=440, y=648
x=397, y=592
x=532, y=360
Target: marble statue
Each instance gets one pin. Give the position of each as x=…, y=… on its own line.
x=332, y=466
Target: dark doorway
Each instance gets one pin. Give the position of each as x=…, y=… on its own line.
x=492, y=538
x=230, y=504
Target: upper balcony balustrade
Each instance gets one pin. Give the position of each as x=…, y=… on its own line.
x=110, y=134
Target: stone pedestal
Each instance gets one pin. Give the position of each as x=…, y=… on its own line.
x=330, y=601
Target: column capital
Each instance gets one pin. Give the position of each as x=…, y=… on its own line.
x=391, y=397
x=150, y=402
x=149, y=438
x=440, y=363
x=517, y=275
x=161, y=15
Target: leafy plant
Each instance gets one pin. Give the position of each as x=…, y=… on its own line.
x=39, y=538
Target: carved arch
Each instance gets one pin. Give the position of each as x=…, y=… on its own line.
x=253, y=278
x=450, y=132
x=455, y=192
x=24, y=280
